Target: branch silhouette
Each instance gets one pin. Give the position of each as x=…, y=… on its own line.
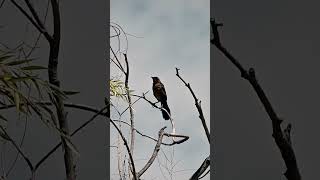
x=282, y=138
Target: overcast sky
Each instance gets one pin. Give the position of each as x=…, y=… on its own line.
x=168, y=34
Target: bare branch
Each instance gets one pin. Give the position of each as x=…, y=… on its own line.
x=154, y=154
x=198, y=105
x=38, y=38
x=126, y=85
x=201, y=170
x=132, y=104
x=282, y=140
x=21, y=142
x=184, y=138
x=66, y=104
x=152, y=104
x=128, y=150
x=100, y=112
x=165, y=134
x=35, y=24
x=2, y=3
x=18, y=149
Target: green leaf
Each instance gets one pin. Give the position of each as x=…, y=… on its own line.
x=13, y=63
x=24, y=78
x=33, y=68
x=7, y=77
x=4, y=136
x=71, y=92
x=17, y=100
x=3, y=118
x=37, y=87
x=3, y=58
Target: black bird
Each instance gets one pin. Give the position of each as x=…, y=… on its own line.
x=160, y=93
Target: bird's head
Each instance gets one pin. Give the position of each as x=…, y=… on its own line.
x=155, y=79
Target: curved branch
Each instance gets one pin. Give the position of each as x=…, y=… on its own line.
x=154, y=154
x=201, y=170
x=165, y=134
x=176, y=135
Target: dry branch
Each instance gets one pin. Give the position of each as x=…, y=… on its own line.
x=7, y=137
x=128, y=150
x=198, y=105
x=282, y=138
x=206, y=163
x=201, y=170
x=154, y=154
x=54, y=44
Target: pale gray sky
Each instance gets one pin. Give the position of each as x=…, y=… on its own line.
x=168, y=34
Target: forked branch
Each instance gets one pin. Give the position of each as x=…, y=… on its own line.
x=282, y=138
x=198, y=105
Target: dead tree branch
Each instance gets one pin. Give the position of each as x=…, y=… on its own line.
x=152, y=103
x=54, y=44
x=6, y=136
x=198, y=105
x=201, y=170
x=126, y=85
x=133, y=169
x=154, y=154
x=282, y=138
x=165, y=134
x=97, y=113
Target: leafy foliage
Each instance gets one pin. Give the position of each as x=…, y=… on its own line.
x=21, y=86
x=117, y=89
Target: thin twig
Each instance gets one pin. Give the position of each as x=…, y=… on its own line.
x=21, y=142
x=99, y=112
x=128, y=150
x=67, y=104
x=35, y=24
x=132, y=104
x=166, y=134
x=18, y=149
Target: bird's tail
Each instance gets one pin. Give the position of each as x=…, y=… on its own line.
x=165, y=114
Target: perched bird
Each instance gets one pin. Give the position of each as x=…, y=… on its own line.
x=160, y=93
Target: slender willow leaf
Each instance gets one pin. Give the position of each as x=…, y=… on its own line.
x=23, y=79
x=3, y=118
x=14, y=63
x=33, y=68
x=71, y=92
x=17, y=100
x=3, y=58
x=4, y=136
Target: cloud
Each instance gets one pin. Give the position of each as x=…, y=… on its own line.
x=174, y=34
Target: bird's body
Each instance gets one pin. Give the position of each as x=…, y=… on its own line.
x=160, y=93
